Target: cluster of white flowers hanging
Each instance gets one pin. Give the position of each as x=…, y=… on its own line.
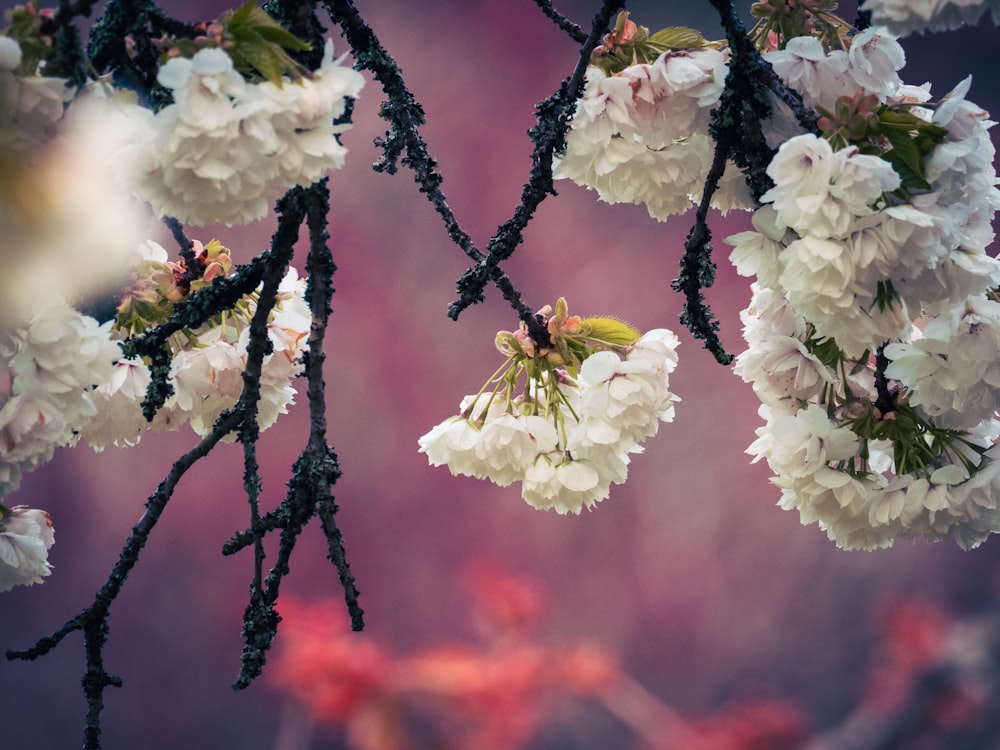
x=227, y=143
x=640, y=134
x=207, y=363
x=877, y=429
x=52, y=360
x=226, y=146
x=593, y=392
x=904, y=16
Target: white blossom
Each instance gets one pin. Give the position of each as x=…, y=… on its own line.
x=26, y=536
x=565, y=486
x=118, y=405
x=819, y=191
x=756, y=253
x=508, y=445
x=452, y=443
x=953, y=371
x=873, y=59
x=798, y=445
x=783, y=372
x=621, y=404
x=54, y=359
x=820, y=77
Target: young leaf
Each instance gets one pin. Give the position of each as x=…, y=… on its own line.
x=906, y=158
x=677, y=37
x=610, y=330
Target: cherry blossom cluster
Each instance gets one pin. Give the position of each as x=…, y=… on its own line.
x=231, y=140
x=52, y=360
x=640, y=131
x=32, y=104
x=595, y=390
x=905, y=16
x=226, y=146
x=233, y=136
x=68, y=379
x=875, y=428
x=207, y=363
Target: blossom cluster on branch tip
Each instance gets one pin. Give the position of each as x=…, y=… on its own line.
x=207, y=363
x=876, y=429
x=232, y=138
x=593, y=390
x=69, y=380
x=245, y=122
x=226, y=146
x=639, y=133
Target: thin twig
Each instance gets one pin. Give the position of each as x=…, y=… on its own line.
x=404, y=115
x=549, y=137
x=575, y=32
x=93, y=621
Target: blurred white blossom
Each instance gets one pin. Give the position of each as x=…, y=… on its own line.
x=26, y=536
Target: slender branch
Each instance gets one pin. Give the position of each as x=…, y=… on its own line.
x=864, y=17
x=260, y=620
x=93, y=621
x=321, y=270
x=549, y=137
x=192, y=269
x=68, y=61
x=697, y=268
x=404, y=115
x=314, y=471
x=885, y=401
x=574, y=31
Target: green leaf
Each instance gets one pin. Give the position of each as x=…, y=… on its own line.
x=906, y=158
x=259, y=43
x=677, y=37
x=886, y=296
x=269, y=29
x=282, y=37
x=610, y=330
x=242, y=15
x=266, y=62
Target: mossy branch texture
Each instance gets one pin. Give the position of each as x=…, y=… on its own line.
x=735, y=127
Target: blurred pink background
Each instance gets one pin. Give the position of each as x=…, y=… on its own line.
x=705, y=589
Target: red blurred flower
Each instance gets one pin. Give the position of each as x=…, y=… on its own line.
x=332, y=670
x=504, y=603
x=914, y=639
x=753, y=725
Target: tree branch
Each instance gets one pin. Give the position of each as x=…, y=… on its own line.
x=575, y=33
